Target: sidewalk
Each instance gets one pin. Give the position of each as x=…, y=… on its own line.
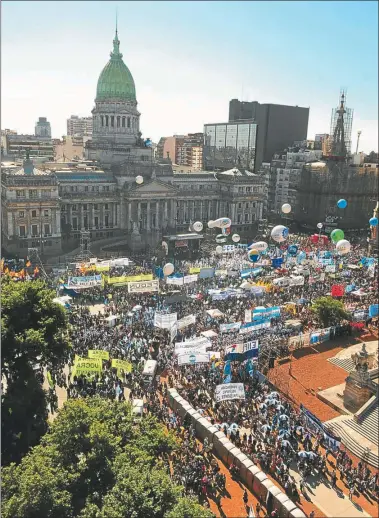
x=332, y=503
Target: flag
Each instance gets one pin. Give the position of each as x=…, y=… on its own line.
x=6, y=271
x=36, y=270
x=228, y=379
x=227, y=368
x=28, y=263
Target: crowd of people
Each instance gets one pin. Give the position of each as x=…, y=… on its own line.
x=264, y=425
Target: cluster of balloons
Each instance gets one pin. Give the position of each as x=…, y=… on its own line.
x=220, y=223
x=168, y=269
x=279, y=233
x=139, y=179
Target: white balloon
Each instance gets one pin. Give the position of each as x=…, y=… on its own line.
x=319, y=225
x=222, y=223
x=260, y=246
x=211, y=223
x=343, y=247
x=279, y=233
x=139, y=179
x=235, y=238
x=168, y=269
x=219, y=249
x=286, y=208
x=198, y=226
x=220, y=238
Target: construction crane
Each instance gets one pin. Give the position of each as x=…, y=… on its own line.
x=359, y=135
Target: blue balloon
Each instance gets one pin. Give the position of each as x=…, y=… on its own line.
x=342, y=204
x=253, y=258
x=373, y=222
x=292, y=250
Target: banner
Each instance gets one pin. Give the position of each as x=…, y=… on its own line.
x=227, y=249
x=173, y=331
x=373, y=310
x=360, y=315
x=206, y=273
x=230, y=328
x=122, y=364
x=253, y=326
x=277, y=263
x=187, y=279
x=87, y=365
x=98, y=354
x=84, y=282
x=176, y=281
x=193, y=359
x=124, y=279
x=266, y=313
x=316, y=426
x=248, y=315
x=330, y=268
x=246, y=272
x=199, y=345
x=194, y=270
x=338, y=290
x=228, y=392
x=241, y=352
x=143, y=287
x=165, y=320
x=297, y=280
x=186, y=321
x=322, y=335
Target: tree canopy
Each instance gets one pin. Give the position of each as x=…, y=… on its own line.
x=33, y=336
x=329, y=311
x=95, y=462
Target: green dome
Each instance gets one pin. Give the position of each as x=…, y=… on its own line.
x=116, y=81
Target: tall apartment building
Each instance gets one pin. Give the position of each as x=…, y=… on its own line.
x=230, y=144
x=190, y=153
x=17, y=146
x=42, y=128
x=79, y=126
x=278, y=125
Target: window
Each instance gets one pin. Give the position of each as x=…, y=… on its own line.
x=34, y=230
x=20, y=194
x=106, y=120
x=112, y=121
x=46, y=229
x=246, y=205
x=102, y=120
x=96, y=222
x=22, y=231
x=72, y=188
x=85, y=206
x=46, y=212
x=74, y=207
x=96, y=207
x=240, y=189
x=33, y=193
x=86, y=188
x=106, y=206
x=106, y=218
x=128, y=122
x=85, y=222
x=123, y=122
x=21, y=214
x=34, y=213
x=106, y=188
x=118, y=121
x=246, y=218
x=75, y=223
x=240, y=205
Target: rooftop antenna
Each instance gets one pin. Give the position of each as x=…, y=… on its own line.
x=359, y=135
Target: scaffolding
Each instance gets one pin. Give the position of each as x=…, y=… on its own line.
x=85, y=247
x=340, y=130
x=34, y=257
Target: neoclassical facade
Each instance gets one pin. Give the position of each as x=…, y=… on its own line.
x=101, y=194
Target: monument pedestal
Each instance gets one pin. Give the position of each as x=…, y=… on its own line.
x=357, y=392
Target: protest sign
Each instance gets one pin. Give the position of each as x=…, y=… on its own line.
x=230, y=328
x=192, y=359
x=253, y=326
x=165, y=320
x=84, y=282
x=122, y=364
x=84, y=366
x=373, y=310
x=143, y=287
x=242, y=351
x=316, y=427
x=229, y=392
x=97, y=353
x=266, y=313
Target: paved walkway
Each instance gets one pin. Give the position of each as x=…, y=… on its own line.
x=331, y=502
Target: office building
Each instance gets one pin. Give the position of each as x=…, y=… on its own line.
x=230, y=144
x=190, y=152
x=43, y=128
x=279, y=126
x=17, y=146
x=79, y=126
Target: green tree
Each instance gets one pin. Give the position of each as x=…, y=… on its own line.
x=188, y=508
x=94, y=462
x=33, y=336
x=329, y=311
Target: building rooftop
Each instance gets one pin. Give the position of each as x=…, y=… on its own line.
x=84, y=176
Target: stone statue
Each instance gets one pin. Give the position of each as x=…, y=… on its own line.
x=135, y=230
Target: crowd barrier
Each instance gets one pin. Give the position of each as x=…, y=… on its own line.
x=250, y=474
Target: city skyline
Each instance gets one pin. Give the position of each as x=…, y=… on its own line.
x=183, y=78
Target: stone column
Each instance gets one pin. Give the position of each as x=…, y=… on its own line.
x=58, y=222
x=69, y=215
x=129, y=222
x=172, y=212
x=138, y=213
x=166, y=212
x=148, y=222
x=233, y=212
x=158, y=218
